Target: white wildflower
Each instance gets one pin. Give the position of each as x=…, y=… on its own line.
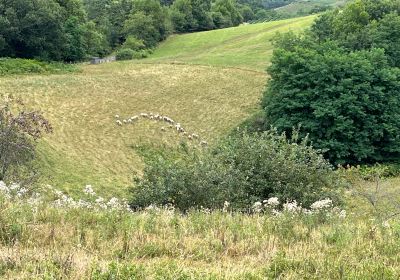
x=257, y=207
x=386, y=224
x=272, y=202
x=291, y=206
x=3, y=187
x=322, y=204
x=113, y=203
x=99, y=200
x=89, y=190
x=226, y=206
x=14, y=186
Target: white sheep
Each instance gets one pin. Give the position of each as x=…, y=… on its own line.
x=144, y=115
x=117, y=116
x=124, y=121
x=204, y=143
x=190, y=137
x=119, y=122
x=162, y=129
x=195, y=136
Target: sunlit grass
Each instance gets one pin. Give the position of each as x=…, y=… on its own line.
x=245, y=46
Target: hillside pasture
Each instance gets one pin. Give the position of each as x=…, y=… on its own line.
x=209, y=82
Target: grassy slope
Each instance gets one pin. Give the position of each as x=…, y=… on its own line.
x=245, y=46
x=88, y=148
x=305, y=6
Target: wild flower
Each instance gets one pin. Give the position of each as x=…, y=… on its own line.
x=14, y=186
x=89, y=190
x=226, y=206
x=342, y=214
x=272, y=202
x=3, y=187
x=386, y=224
x=257, y=207
x=321, y=204
x=291, y=206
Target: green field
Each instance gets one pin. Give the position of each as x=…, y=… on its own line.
x=305, y=6
x=209, y=82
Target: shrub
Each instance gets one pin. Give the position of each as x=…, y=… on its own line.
x=125, y=54
x=133, y=43
x=10, y=66
x=241, y=170
x=18, y=134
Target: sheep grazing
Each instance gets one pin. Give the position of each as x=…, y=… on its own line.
x=125, y=121
x=195, y=136
x=129, y=120
x=134, y=118
x=118, y=122
x=162, y=129
x=117, y=116
x=203, y=143
x=144, y=115
x=151, y=118
x=190, y=137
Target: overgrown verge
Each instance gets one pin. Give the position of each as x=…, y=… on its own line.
x=67, y=239
x=16, y=66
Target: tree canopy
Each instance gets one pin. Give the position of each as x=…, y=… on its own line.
x=341, y=83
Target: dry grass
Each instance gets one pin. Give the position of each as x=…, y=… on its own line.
x=74, y=244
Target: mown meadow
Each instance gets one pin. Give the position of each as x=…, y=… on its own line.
x=209, y=99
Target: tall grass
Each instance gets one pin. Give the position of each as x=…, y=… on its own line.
x=55, y=243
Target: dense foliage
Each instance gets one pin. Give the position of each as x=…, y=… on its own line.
x=341, y=82
x=18, y=133
x=47, y=30
x=74, y=30
x=242, y=170
x=10, y=66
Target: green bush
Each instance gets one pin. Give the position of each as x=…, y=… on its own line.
x=125, y=54
x=128, y=54
x=10, y=66
x=133, y=43
x=242, y=170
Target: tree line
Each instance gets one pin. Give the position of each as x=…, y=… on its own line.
x=73, y=30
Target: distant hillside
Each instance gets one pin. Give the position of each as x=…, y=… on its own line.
x=246, y=46
x=303, y=7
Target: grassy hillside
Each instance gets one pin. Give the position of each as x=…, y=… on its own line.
x=87, y=147
x=305, y=6
x=245, y=46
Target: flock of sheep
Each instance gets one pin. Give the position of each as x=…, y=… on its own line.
x=169, y=121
